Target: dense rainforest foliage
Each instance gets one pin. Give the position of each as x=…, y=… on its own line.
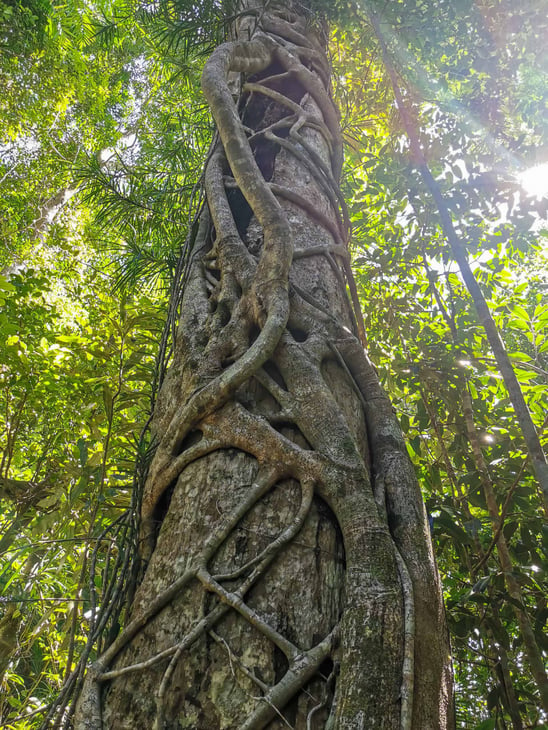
x=103, y=135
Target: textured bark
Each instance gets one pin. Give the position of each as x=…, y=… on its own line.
x=290, y=578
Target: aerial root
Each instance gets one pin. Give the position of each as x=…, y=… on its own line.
x=328, y=689
x=301, y=670
x=266, y=479
x=408, y=667
x=260, y=287
x=283, y=538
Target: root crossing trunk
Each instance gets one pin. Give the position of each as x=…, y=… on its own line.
x=289, y=578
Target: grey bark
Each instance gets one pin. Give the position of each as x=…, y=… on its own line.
x=290, y=580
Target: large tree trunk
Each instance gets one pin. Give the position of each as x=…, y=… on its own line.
x=290, y=580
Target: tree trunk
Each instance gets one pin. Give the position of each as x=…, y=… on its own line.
x=290, y=580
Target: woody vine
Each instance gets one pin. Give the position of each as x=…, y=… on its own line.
x=269, y=368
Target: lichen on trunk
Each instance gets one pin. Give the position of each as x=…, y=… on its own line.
x=289, y=578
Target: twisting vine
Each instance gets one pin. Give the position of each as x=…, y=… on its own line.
x=264, y=321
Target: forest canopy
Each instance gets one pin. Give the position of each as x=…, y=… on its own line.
x=103, y=135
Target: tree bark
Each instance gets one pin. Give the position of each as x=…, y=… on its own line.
x=290, y=580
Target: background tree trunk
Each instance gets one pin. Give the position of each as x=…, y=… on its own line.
x=289, y=573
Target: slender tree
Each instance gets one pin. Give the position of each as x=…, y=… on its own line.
x=531, y=437
x=288, y=575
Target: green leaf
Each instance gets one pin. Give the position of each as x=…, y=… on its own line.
x=82, y=451
x=519, y=312
x=108, y=400
x=5, y=285
x=489, y=724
